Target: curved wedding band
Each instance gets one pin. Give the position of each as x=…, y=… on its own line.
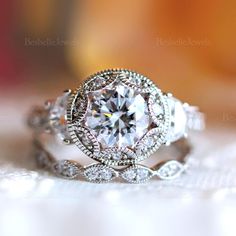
x=118, y=118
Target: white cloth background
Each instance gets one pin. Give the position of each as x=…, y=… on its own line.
x=35, y=203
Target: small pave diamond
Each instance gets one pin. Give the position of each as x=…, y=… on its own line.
x=80, y=106
x=158, y=110
x=67, y=169
x=116, y=156
x=149, y=141
x=135, y=80
x=129, y=175
x=142, y=174
x=99, y=81
x=137, y=174
x=99, y=173
x=85, y=140
x=170, y=170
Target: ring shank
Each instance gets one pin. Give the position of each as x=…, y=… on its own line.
x=172, y=159
x=184, y=119
x=176, y=156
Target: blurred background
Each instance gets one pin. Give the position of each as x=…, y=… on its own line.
x=186, y=47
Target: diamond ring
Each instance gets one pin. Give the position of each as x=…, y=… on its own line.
x=118, y=118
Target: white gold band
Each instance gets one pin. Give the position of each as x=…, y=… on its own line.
x=99, y=173
x=184, y=118
x=118, y=118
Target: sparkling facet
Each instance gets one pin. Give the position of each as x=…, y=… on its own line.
x=118, y=115
x=99, y=173
x=67, y=169
x=135, y=80
x=170, y=170
x=138, y=174
x=178, y=120
x=116, y=155
x=129, y=175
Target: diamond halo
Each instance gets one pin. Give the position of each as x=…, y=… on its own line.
x=123, y=108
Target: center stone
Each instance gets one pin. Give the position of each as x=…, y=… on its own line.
x=117, y=115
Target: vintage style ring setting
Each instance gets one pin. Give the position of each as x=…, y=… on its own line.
x=118, y=118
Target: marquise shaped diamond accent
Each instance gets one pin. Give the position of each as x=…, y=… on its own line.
x=88, y=143
x=67, y=169
x=170, y=170
x=149, y=142
x=99, y=173
x=79, y=108
x=137, y=174
x=99, y=81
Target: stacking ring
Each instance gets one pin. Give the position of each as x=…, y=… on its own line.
x=118, y=118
